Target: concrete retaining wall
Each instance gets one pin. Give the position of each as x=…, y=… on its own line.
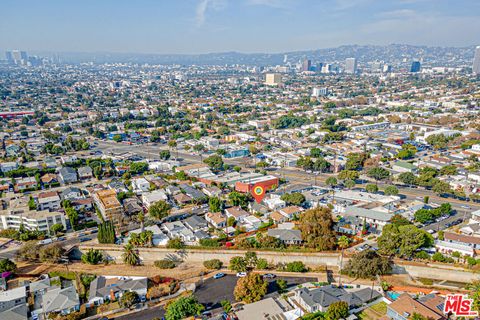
x=330, y=260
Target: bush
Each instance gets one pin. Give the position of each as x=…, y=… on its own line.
x=422, y=255
x=262, y=264
x=164, y=264
x=175, y=243
x=209, y=243
x=295, y=266
x=213, y=264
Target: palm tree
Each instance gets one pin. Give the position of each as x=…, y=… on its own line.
x=130, y=255
x=173, y=144
x=141, y=219
x=342, y=243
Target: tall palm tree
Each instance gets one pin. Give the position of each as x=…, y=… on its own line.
x=141, y=219
x=173, y=144
x=342, y=243
x=130, y=255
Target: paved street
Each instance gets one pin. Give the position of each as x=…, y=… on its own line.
x=212, y=291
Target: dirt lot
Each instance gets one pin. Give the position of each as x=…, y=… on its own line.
x=184, y=271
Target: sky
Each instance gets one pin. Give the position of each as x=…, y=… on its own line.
x=203, y=26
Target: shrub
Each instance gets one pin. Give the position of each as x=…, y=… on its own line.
x=164, y=264
x=213, y=264
x=209, y=243
x=295, y=266
x=175, y=243
x=262, y=264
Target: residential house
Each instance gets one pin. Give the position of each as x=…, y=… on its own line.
x=158, y=238
x=118, y=186
x=321, y=298
x=150, y=198
x=216, y=219
x=82, y=204
x=108, y=288
x=287, y=236
x=57, y=300
x=140, y=185
x=196, y=223
x=28, y=183
x=131, y=206
x=291, y=211
x=376, y=219
x=274, y=202
x=465, y=244
x=403, y=166
x=176, y=229
x=8, y=166
x=236, y=212
x=193, y=193
x=48, y=201
x=85, y=173
x=405, y=306
x=182, y=199
x=13, y=304
x=67, y=175
x=71, y=193
x=49, y=179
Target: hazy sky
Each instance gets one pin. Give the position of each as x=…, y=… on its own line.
x=200, y=26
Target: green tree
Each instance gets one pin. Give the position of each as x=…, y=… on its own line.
x=316, y=226
x=331, y=181
x=92, y=256
x=391, y=191
x=251, y=288
x=215, y=162
x=367, y=264
x=348, y=175
x=238, y=199
x=407, y=178
x=182, y=308
x=106, y=232
x=164, y=154
x=378, y=173
x=164, y=264
x=159, y=209
x=51, y=253
x=441, y=187
x=371, y=188
x=295, y=198
x=129, y=299
x=7, y=265
x=337, y=310
x=130, y=255
x=238, y=264
x=281, y=285
x=295, y=266
x=56, y=228
x=215, y=204
x=349, y=184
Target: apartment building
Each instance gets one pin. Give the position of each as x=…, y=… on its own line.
x=108, y=205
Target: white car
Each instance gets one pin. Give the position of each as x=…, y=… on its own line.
x=241, y=274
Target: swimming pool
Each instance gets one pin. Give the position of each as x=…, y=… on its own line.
x=393, y=295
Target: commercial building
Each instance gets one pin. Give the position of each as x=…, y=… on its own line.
x=476, y=61
x=416, y=66
x=306, y=65
x=108, y=204
x=351, y=65
x=273, y=79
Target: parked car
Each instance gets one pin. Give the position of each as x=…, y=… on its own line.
x=241, y=274
x=219, y=275
x=269, y=276
x=85, y=239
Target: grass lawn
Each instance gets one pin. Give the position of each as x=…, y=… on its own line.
x=374, y=312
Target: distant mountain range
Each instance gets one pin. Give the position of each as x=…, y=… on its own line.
x=393, y=53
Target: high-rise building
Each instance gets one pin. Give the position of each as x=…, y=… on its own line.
x=273, y=79
x=9, y=56
x=306, y=65
x=318, y=92
x=350, y=65
x=476, y=61
x=416, y=66
x=285, y=58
